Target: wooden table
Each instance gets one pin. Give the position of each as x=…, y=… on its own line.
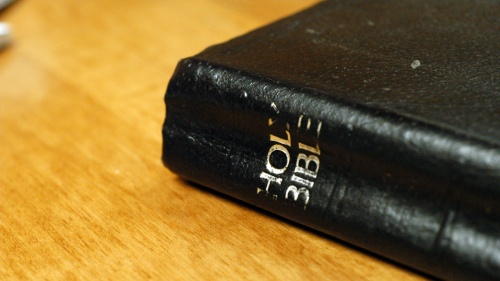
x=83, y=193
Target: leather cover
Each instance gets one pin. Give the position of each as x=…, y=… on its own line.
x=376, y=122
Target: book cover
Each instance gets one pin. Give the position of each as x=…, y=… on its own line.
x=376, y=122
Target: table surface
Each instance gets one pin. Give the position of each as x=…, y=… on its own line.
x=83, y=193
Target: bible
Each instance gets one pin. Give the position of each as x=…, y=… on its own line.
x=375, y=122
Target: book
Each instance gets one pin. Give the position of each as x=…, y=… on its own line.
x=375, y=122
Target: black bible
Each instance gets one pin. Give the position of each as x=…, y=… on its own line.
x=375, y=122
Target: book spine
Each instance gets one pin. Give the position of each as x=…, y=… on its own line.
x=377, y=180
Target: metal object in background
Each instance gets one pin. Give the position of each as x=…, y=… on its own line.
x=5, y=37
x=5, y=3
x=5, y=31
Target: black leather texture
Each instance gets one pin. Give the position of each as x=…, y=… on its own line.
x=376, y=122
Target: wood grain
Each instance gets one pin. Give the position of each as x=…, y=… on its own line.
x=83, y=193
